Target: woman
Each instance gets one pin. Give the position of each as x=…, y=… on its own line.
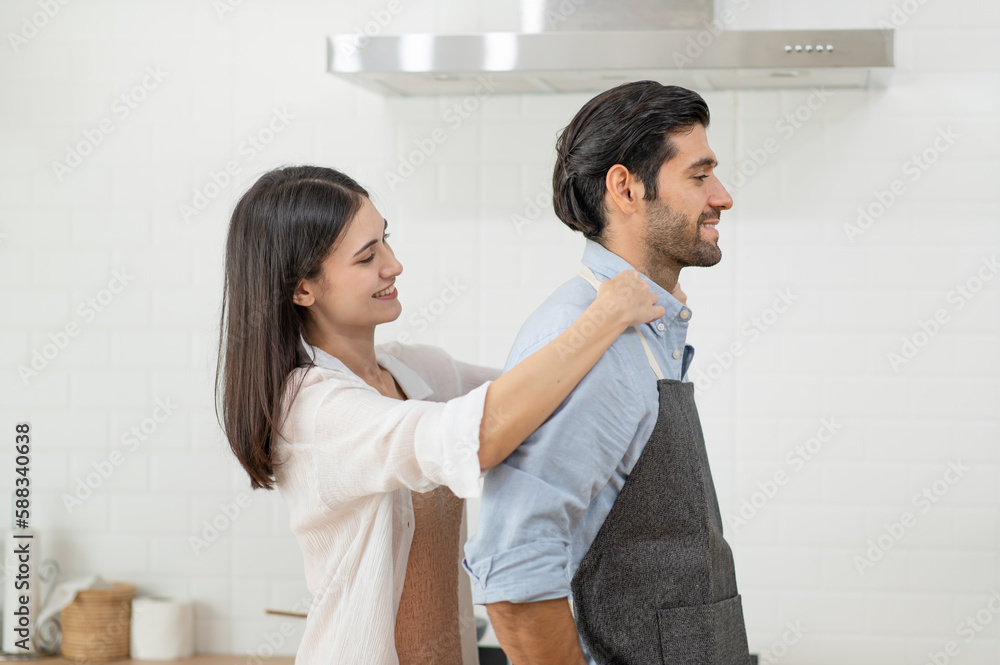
x=347, y=431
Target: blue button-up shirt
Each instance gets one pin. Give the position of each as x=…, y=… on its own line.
x=543, y=506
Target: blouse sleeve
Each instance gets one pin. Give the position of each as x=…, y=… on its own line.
x=361, y=443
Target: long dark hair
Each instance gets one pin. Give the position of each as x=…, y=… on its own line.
x=629, y=125
x=280, y=232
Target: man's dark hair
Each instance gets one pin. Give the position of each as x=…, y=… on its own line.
x=629, y=125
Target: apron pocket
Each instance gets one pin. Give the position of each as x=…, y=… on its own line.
x=711, y=634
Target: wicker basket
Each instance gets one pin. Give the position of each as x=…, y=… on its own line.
x=95, y=626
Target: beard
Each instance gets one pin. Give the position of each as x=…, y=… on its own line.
x=673, y=238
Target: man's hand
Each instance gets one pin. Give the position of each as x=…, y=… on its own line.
x=539, y=633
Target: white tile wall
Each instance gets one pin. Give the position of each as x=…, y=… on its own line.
x=468, y=213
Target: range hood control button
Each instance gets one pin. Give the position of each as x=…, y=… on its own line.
x=808, y=48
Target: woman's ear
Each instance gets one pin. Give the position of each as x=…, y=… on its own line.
x=303, y=294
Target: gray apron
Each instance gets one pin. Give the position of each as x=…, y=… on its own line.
x=657, y=584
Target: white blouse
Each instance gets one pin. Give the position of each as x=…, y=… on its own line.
x=347, y=463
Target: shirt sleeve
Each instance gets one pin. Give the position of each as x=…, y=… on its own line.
x=534, y=501
x=362, y=443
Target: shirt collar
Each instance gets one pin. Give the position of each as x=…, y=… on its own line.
x=413, y=386
x=606, y=264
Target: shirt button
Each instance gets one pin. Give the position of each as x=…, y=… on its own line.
x=660, y=327
x=685, y=313
x=677, y=354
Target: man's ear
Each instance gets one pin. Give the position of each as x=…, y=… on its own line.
x=624, y=190
x=303, y=294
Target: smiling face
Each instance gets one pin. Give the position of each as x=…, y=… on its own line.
x=681, y=221
x=356, y=285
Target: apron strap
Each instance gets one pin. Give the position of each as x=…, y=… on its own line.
x=591, y=278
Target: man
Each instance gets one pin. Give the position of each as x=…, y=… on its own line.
x=600, y=539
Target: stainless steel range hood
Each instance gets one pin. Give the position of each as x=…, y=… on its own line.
x=421, y=64
x=675, y=42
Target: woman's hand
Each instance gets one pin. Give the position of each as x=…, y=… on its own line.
x=520, y=400
x=627, y=295
x=680, y=295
